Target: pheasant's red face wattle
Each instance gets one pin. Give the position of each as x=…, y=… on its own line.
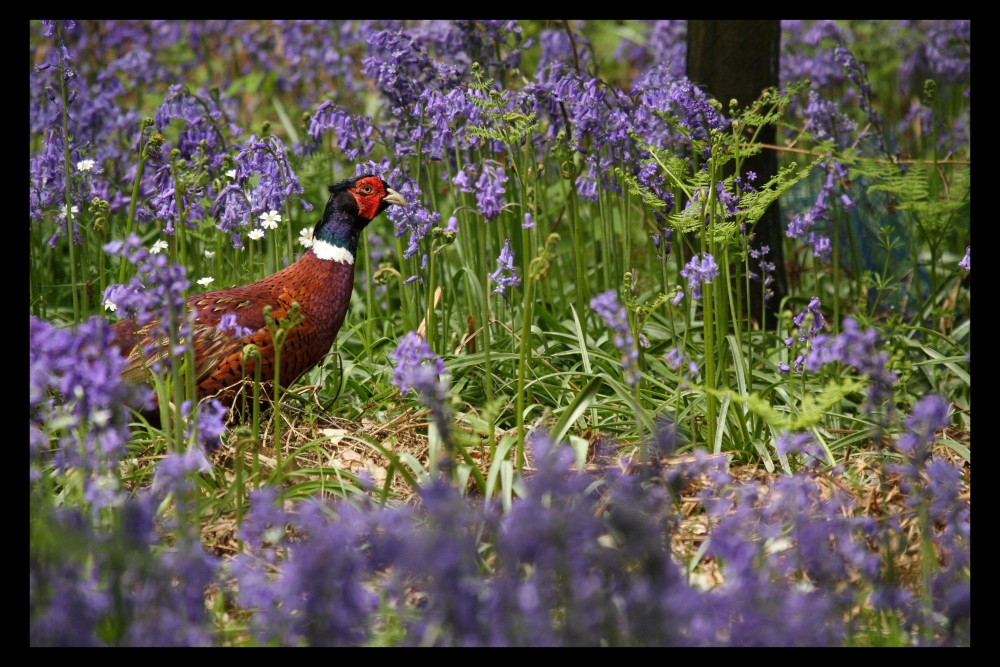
x=369, y=193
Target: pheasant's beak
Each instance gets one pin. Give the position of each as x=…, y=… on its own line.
x=394, y=198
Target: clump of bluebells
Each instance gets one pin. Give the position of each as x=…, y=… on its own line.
x=99, y=569
x=856, y=349
x=93, y=587
x=572, y=563
x=581, y=564
x=263, y=181
x=76, y=399
x=803, y=225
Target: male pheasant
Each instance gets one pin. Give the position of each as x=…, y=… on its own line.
x=321, y=281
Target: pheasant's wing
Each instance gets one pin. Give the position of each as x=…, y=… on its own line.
x=218, y=350
x=212, y=345
x=246, y=303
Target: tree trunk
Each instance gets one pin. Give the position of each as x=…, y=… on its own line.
x=738, y=60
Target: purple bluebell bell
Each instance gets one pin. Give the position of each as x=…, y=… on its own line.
x=966, y=262
x=614, y=314
x=490, y=190
x=699, y=270
x=505, y=276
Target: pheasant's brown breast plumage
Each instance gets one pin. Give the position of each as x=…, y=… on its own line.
x=323, y=290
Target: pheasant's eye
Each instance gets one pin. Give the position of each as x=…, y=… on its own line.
x=366, y=189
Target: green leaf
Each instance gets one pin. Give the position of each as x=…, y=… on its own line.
x=580, y=403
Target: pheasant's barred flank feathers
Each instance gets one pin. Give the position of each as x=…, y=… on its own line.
x=226, y=320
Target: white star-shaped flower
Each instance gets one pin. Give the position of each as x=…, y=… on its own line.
x=306, y=237
x=85, y=165
x=158, y=247
x=270, y=220
x=256, y=234
x=206, y=281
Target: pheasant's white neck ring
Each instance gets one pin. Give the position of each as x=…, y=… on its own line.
x=329, y=251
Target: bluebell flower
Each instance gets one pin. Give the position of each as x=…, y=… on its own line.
x=77, y=398
x=156, y=291
x=801, y=225
x=172, y=472
x=811, y=320
x=766, y=268
x=676, y=359
x=827, y=121
x=211, y=419
x=614, y=314
x=490, y=191
x=506, y=274
x=410, y=355
x=966, y=262
x=700, y=269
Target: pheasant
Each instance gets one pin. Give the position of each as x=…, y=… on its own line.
x=321, y=281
